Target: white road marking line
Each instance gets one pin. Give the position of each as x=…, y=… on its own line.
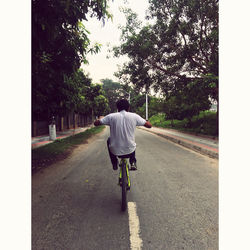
x=134, y=227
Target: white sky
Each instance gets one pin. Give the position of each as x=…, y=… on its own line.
x=99, y=66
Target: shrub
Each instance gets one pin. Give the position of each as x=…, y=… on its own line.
x=204, y=123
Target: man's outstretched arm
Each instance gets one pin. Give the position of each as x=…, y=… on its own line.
x=148, y=124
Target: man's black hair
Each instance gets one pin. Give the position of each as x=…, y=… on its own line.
x=122, y=104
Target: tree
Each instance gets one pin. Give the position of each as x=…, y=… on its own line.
x=178, y=50
x=137, y=101
x=101, y=106
x=95, y=97
x=155, y=106
x=188, y=98
x=76, y=92
x=112, y=91
x=115, y=91
x=59, y=46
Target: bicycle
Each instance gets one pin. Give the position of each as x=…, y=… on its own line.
x=124, y=180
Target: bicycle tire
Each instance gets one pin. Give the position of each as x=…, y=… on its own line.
x=124, y=187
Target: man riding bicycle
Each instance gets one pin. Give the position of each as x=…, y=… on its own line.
x=122, y=128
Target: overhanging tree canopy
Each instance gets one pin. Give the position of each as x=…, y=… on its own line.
x=59, y=46
x=179, y=48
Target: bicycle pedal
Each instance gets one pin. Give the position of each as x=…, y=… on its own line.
x=119, y=182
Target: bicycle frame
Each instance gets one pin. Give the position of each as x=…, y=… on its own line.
x=125, y=162
x=125, y=181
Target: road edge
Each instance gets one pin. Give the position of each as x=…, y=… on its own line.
x=194, y=147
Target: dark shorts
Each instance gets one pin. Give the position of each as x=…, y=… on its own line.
x=114, y=159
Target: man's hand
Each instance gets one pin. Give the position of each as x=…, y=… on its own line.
x=97, y=123
x=148, y=124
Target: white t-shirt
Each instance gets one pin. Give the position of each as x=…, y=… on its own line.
x=122, y=129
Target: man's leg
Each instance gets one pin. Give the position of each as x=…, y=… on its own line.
x=113, y=158
x=132, y=158
x=132, y=161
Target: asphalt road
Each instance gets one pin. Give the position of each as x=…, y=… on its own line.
x=76, y=203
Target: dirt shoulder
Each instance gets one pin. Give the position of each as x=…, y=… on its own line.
x=51, y=154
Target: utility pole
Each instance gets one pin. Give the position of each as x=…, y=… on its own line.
x=146, y=106
x=128, y=95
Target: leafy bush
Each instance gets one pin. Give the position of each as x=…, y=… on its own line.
x=204, y=123
x=158, y=119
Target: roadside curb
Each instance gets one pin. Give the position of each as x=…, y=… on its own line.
x=188, y=144
x=193, y=134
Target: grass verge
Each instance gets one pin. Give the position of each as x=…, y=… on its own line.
x=60, y=149
x=205, y=123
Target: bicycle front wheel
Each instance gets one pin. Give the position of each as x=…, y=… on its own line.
x=124, y=187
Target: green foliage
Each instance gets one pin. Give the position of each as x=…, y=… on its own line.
x=187, y=100
x=101, y=106
x=94, y=101
x=203, y=123
x=155, y=105
x=74, y=90
x=137, y=103
x=177, y=54
x=157, y=119
x=112, y=91
x=59, y=45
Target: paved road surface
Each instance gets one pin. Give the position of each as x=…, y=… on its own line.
x=76, y=203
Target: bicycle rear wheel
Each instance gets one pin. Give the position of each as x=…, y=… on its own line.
x=124, y=187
